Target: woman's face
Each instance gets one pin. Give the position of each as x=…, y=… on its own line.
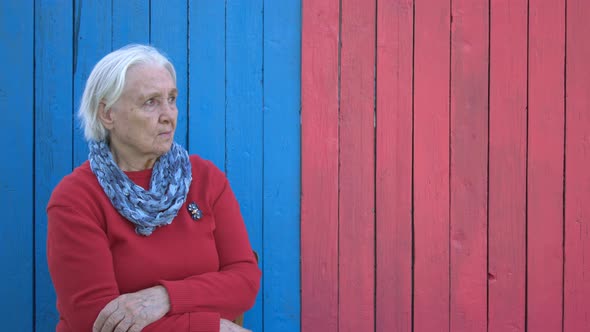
x=143, y=120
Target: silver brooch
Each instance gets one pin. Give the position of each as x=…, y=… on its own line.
x=194, y=211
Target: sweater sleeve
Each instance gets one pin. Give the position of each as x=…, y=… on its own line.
x=80, y=264
x=231, y=290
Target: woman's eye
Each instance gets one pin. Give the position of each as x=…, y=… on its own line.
x=150, y=102
x=172, y=99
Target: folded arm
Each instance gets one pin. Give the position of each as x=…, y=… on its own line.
x=80, y=263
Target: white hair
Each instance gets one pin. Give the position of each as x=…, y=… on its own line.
x=107, y=80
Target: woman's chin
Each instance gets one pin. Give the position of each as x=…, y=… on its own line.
x=163, y=148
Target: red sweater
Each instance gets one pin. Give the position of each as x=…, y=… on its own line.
x=94, y=254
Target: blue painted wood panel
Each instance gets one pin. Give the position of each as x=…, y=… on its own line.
x=207, y=80
x=281, y=164
x=131, y=23
x=244, y=123
x=92, y=40
x=54, y=126
x=238, y=74
x=16, y=174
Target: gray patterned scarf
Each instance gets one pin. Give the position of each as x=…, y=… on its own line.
x=171, y=178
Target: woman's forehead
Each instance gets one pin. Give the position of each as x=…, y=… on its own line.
x=143, y=78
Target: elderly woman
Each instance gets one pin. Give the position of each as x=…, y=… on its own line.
x=142, y=236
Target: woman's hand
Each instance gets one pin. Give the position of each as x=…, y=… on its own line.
x=134, y=311
x=228, y=326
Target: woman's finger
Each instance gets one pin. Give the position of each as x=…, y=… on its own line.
x=111, y=323
x=123, y=325
x=104, y=314
x=136, y=328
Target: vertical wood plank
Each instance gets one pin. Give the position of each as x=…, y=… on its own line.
x=131, y=23
x=282, y=31
x=545, y=165
x=357, y=168
x=16, y=228
x=244, y=123
x=92, y=41
x=206, y=119
x=53, y=131
x=431, y=165
x=507, y=166
x=168, y=33
x=394, y=166
x=577, y=154
x=319, y=165
x=469, y=163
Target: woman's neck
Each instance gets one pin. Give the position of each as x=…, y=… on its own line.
x=128, y=163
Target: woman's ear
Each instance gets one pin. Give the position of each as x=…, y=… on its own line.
x=105, y=116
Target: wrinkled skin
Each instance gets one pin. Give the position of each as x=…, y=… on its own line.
x=142, y=122
x=134, y=311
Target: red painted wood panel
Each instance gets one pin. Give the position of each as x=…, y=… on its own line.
x=464, y=167
x=431, y=165
x=507, y=166
x=394, y=166
x=469, y=162
x=545, y=165
x=319, y=166
x=577, y=173
x=357, y=167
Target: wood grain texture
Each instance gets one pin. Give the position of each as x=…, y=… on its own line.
x=206, y=117
x=169, y=33
x=577, y=152
x=131, y=23
x=245, y=69
x=507, y=166
x=393, y=289
x=357, y=167
x=431, y=165
x=92, y=32
x=469, y=161
x=281, y=164
x=54, y=125
x=545, y=165
x=52, y=48
x=319, y=165
x=244, y=124
x=16, y=168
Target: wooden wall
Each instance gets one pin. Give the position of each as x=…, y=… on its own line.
x=445, y=158
x=402, y=165
x=238, y=65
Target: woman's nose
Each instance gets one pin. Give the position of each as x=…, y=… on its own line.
x=168, y=111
